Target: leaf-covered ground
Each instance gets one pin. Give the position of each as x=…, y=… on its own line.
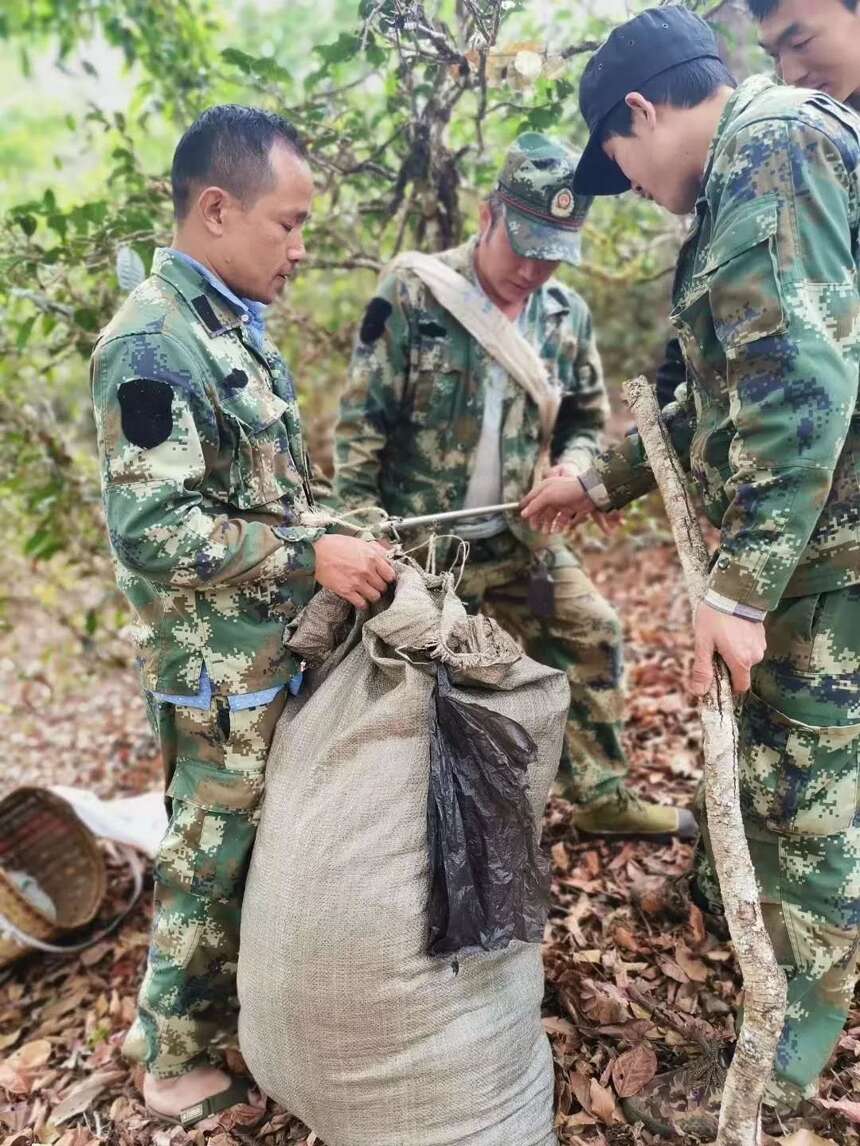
x=635, y=984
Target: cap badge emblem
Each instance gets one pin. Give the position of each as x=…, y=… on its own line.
x=562, y=204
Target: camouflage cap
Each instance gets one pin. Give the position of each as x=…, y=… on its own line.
x=544, y=216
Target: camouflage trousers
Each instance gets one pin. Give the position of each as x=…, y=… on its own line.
x=215, y=761
x=800, y=783
x=583, y=638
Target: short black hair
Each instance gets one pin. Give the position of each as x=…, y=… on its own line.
x=229, y=146
x=685, y=85
x=761, y=9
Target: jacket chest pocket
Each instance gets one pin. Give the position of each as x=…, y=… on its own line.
x=732, y=297
x=735, y=294
x=703, y=353
x=438, y=369
x=262, y=467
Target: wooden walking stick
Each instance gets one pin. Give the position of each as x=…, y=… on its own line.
x=763, y=978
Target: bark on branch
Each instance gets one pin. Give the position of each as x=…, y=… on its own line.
x=764, y=981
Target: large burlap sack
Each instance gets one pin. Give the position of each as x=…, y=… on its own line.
x=345, y=1019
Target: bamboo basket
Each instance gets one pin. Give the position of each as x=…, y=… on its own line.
x=41, y=835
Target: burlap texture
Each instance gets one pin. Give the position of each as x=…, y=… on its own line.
x=344, y=1018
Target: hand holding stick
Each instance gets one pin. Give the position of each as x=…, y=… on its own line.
x=764, y=980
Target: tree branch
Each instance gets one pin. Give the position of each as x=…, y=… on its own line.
x=764, y=981
x=577, y=49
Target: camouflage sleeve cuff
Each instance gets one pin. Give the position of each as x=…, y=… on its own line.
x=619, y=475
x=733, y=608
x=297, y=555
x=592, y=483
x=731, y=582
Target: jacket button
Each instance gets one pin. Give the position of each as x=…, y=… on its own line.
x=723, y=563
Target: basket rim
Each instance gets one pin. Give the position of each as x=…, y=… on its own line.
x=89, y=846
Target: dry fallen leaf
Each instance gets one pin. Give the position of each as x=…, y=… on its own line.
x=594, y=910
x=580, y=1088
x=556, y=1026
x=10, y=1039
x=697, y=924
x=805, y=1138
x=633, y=1070
x=18, y=1071
x=625, y=938
x=84, y=1093
x=670, y=967
x=603, y=1104
x=95, y=954
x=693, y=968
x=845, y=1106
x=31, y=1056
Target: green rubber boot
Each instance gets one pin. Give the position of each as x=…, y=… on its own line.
x=623, y=815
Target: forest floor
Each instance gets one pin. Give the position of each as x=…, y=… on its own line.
x=634, y=985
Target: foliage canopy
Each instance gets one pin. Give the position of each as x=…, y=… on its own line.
x=406, y=108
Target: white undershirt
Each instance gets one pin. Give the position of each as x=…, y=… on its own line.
x=485, y=481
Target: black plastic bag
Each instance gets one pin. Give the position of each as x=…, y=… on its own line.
x=489, y=881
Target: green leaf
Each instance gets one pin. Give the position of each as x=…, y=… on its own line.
x=266, y=67
x=376, y=55
x=58, y=224
x=344, y=48
x=542, y=118
x=27, y=224
x=96, y=211
x=24, y=331
x=238, y=59
x=86, y=318
x=42, y=544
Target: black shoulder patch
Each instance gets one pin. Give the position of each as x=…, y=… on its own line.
x=432, y=329
x=559, y=296
x=145, y=408
x=206, y=314
x=236, y=380
x=375, y=318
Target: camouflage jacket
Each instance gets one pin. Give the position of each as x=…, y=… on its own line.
x=411, y=414
x=204, y=477
x=767, y=307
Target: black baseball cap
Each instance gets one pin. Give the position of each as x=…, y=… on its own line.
x=646, y=46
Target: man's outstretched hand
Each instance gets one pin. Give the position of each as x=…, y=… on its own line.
x=559, y=501
x=739, y=642
x=357, y=570
x=556, y=503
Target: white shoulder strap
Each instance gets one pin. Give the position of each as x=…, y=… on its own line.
x=496, y=333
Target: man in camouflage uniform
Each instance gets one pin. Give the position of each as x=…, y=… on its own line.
x=205, y=481
x=430, y=422
x=814, y=43
x=767, y=306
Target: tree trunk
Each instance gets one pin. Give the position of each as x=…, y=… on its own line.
x=764, y=980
